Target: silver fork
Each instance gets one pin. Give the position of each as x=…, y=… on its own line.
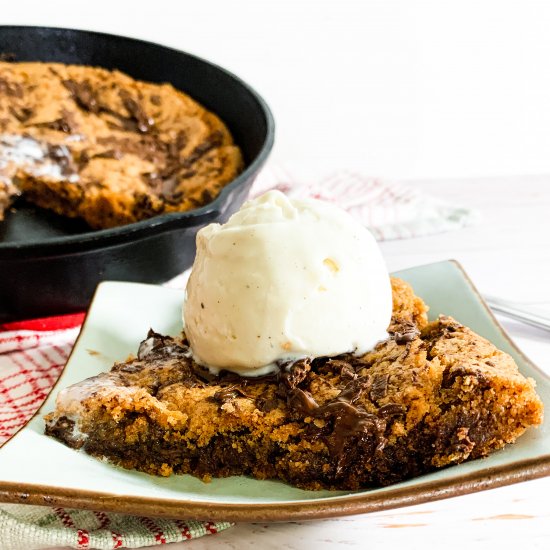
x=514, y=311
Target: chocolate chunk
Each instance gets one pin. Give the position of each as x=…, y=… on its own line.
x=159, y=345
x=22, y=114
x=349, y=420
x=353, y=390
x=406, y=336
x=174, y=198
x=211, y=142
x=59, y=125
x=379, y=387
x=346, y=370
x=65, y=123
x=294, y=373
x=175, y=147
x=110, y=154
x=449, y=324
x=302, y=401
x=114, y=126
x=267, y=404
x=188, y=174
x=147, y=147
x=226, y=377
x=450, y=374
x=83, y=159
x=391, y=409
x=206, y=195
x=165, y=183
x=83, y=95
x=138, y=119
x=129, y=367
x=11, y=89
x=227, y=394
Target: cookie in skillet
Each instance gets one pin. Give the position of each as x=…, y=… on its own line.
x=96, y=144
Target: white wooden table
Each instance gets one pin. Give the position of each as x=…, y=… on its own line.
x=508, y=255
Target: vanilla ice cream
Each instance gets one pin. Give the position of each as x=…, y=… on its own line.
x=285, y=279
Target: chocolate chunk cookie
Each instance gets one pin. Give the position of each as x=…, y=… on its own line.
x=96, y=144
x=435, y=397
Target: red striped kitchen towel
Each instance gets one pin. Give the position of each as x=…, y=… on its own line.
x=32, y=354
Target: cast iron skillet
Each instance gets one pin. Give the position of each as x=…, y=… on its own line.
x=50, y=264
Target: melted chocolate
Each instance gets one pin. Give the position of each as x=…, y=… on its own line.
x=161, y=346
x=165, y=181
x=346, y=419
x=83, y=95
x=349, y=420
x=211, y=142
x=302, y=401
x=227, y=394
x=65, y=123
x=267, y=404
x=138, y=121
x=147, y=147
x=87, y=99
x=175, y=147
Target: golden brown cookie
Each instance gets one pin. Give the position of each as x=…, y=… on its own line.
x=96, y=144
x=443, y=396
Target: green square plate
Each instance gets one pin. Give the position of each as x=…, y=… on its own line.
x=39, y=470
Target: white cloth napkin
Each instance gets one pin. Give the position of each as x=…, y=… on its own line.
x=391, y=210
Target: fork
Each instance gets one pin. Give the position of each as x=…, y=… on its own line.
x=510, y=309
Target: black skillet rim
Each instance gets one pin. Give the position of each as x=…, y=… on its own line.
x=163, y=222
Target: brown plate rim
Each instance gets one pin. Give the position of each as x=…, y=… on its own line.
x=358, y=503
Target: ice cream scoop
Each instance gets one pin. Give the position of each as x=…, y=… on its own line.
x=285, y=279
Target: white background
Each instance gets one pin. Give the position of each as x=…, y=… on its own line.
x=405, y=89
